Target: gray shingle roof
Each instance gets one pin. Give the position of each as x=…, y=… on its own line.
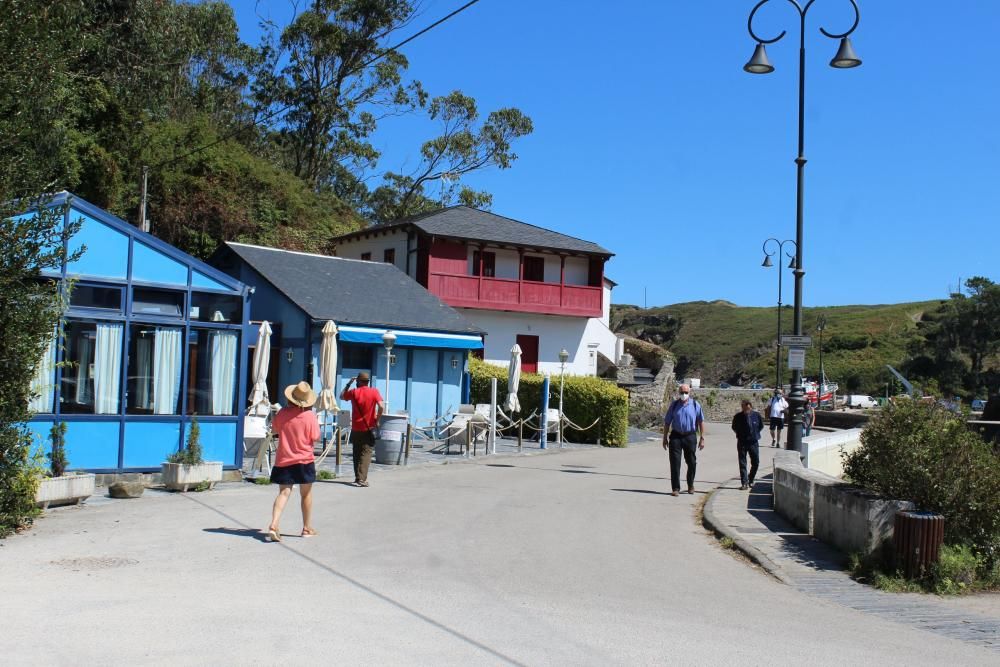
x=350, y=291
x=469, y=223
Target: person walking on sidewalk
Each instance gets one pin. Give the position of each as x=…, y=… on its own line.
x=748, y=425
x=683, y=433
x=776, y=409
x=366, y=408
x=297, y=429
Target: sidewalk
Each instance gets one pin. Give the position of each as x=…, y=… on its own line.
x=810, y=566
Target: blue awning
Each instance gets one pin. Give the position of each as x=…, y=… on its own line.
x=353, y=334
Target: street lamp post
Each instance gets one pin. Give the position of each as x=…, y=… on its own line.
x=820, y=327
x=759, y=64
x=563, y=358
x=766, y=264
x=389, y=340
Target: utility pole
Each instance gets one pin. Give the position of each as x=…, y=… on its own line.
x=143, y=222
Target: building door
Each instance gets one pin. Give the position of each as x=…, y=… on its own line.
x=529, y=353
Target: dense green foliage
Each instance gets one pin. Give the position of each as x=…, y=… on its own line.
x=719, y=341
x=57, y=457
x=919, y=451
x=585, y=399
x=268, y=143
x=191, y=453
x=959, y=342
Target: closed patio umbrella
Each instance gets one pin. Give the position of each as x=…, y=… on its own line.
x=328, y=368
x=260, y=402
x=514, y=379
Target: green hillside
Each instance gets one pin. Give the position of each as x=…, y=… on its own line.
x=720, y=341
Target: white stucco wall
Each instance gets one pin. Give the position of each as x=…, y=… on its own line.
x=580, y=336
x=508, y=265
x=377, y=245
x=577, y=270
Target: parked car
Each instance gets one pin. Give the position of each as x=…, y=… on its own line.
x=756, y=385
x=861, y=401
x=725, y=385
x=978, y=404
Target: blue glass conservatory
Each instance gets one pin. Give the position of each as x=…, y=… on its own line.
x=152, y=338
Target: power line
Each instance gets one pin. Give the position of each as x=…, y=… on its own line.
x=362, y=66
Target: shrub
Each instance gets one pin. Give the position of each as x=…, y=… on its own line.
x=956, y=570
x=922, y=452
x=585, y=399
x=191, y=454
x=57, y=457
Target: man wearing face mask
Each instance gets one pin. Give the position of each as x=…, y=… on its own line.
x=776, y=410
x=683, y=434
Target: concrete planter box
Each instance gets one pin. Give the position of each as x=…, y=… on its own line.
x=181, y=476
x=68, y=489
x=853, y=519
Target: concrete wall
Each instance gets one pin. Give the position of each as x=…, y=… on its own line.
x=582, y=337
x=845, y=516
x=824, y=451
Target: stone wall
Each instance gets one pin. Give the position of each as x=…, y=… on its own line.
x=719, y=405
x=646, y=401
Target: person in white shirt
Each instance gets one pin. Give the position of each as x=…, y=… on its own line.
x=776, y=411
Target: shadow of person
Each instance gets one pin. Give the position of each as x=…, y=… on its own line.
x=655, y=493
x=239, y=532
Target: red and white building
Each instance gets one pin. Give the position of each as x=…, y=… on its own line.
x=520, y=283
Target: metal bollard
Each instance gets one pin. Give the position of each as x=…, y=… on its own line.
x=409, y=437
x=520, y=436
x=468, y=438
x=336, y=434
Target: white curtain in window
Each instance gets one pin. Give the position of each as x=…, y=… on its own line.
x=166, y=371
x=223, y=345
x=107, y=368
x=84, y=359
x=144, y=368
x=43, y=384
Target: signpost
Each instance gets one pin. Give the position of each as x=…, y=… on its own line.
x=797, y=358
x=788, y=340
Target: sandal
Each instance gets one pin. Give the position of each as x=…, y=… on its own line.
x=273, y=535
x=309, y=532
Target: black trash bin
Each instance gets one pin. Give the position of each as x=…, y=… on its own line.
x=917, y=537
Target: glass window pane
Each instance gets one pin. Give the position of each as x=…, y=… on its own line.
x=91, y=296
x=90, y=379
x=354, y=356
x=216, y=307
x=43, y=385
x=154, y=370
x=212, y=372
x=157, y=302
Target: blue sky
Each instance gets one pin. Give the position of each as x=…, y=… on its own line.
x=650, y=139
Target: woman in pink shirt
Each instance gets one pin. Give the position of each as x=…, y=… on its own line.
x=294, y=463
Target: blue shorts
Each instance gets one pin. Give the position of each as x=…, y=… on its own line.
x=297, y=473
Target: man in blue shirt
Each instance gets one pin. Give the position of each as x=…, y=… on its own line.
x=683, y=433
x=748, y=425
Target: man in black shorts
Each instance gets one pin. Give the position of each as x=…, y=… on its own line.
x=776, y=411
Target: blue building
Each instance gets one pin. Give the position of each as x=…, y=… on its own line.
x=299, y=292
x=151, y=338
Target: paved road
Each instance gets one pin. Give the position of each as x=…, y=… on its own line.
x=567, y=559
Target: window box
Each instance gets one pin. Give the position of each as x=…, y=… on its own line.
x=181, y=476
x=69, y=489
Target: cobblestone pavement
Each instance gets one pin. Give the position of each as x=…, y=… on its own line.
x=814, y=568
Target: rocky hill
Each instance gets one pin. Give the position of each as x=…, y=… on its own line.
x=719, y=341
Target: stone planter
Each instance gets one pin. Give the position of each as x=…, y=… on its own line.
x=73, y=488
x=180, y=476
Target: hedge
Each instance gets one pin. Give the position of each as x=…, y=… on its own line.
x=585, y=399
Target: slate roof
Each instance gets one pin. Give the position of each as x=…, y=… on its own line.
x=351, y=291
x=464, y=222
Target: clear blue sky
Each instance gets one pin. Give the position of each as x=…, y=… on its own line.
x=651, y=140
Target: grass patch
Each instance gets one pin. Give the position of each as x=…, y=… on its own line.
x=727, y=543
x=326, y=475
x=263, y=481
x=957, y=572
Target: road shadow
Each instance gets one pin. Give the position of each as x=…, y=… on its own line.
x=654, y=493
x=239, y=532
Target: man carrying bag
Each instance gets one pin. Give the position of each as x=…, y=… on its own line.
x=366, y=408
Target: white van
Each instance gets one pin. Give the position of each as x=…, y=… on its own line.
x=861, y=401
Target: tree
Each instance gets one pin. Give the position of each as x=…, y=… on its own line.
x=335, y=88
x=461, y=148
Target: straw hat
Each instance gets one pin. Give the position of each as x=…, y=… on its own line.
x=300, y=394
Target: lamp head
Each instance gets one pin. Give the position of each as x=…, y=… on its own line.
x=767, y=262
x=388, y=339
x=845, y=58
x=792, y=264
x=563, y=356
x=759, y=63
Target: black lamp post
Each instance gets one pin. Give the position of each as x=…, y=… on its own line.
x=759, y=64
x=767, y=264
x=820, y=327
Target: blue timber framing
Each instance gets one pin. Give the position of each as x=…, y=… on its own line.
x=222, y=434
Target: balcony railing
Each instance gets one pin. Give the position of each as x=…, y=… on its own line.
x=516, y=295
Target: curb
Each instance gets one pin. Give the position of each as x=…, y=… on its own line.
x=717, y=526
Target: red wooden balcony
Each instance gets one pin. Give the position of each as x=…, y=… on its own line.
x=516, y=295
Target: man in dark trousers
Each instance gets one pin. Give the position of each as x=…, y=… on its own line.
x=748, y=425
x=366, y=408
x=683, y=433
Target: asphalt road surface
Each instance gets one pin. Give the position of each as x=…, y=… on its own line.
x=576, y=558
